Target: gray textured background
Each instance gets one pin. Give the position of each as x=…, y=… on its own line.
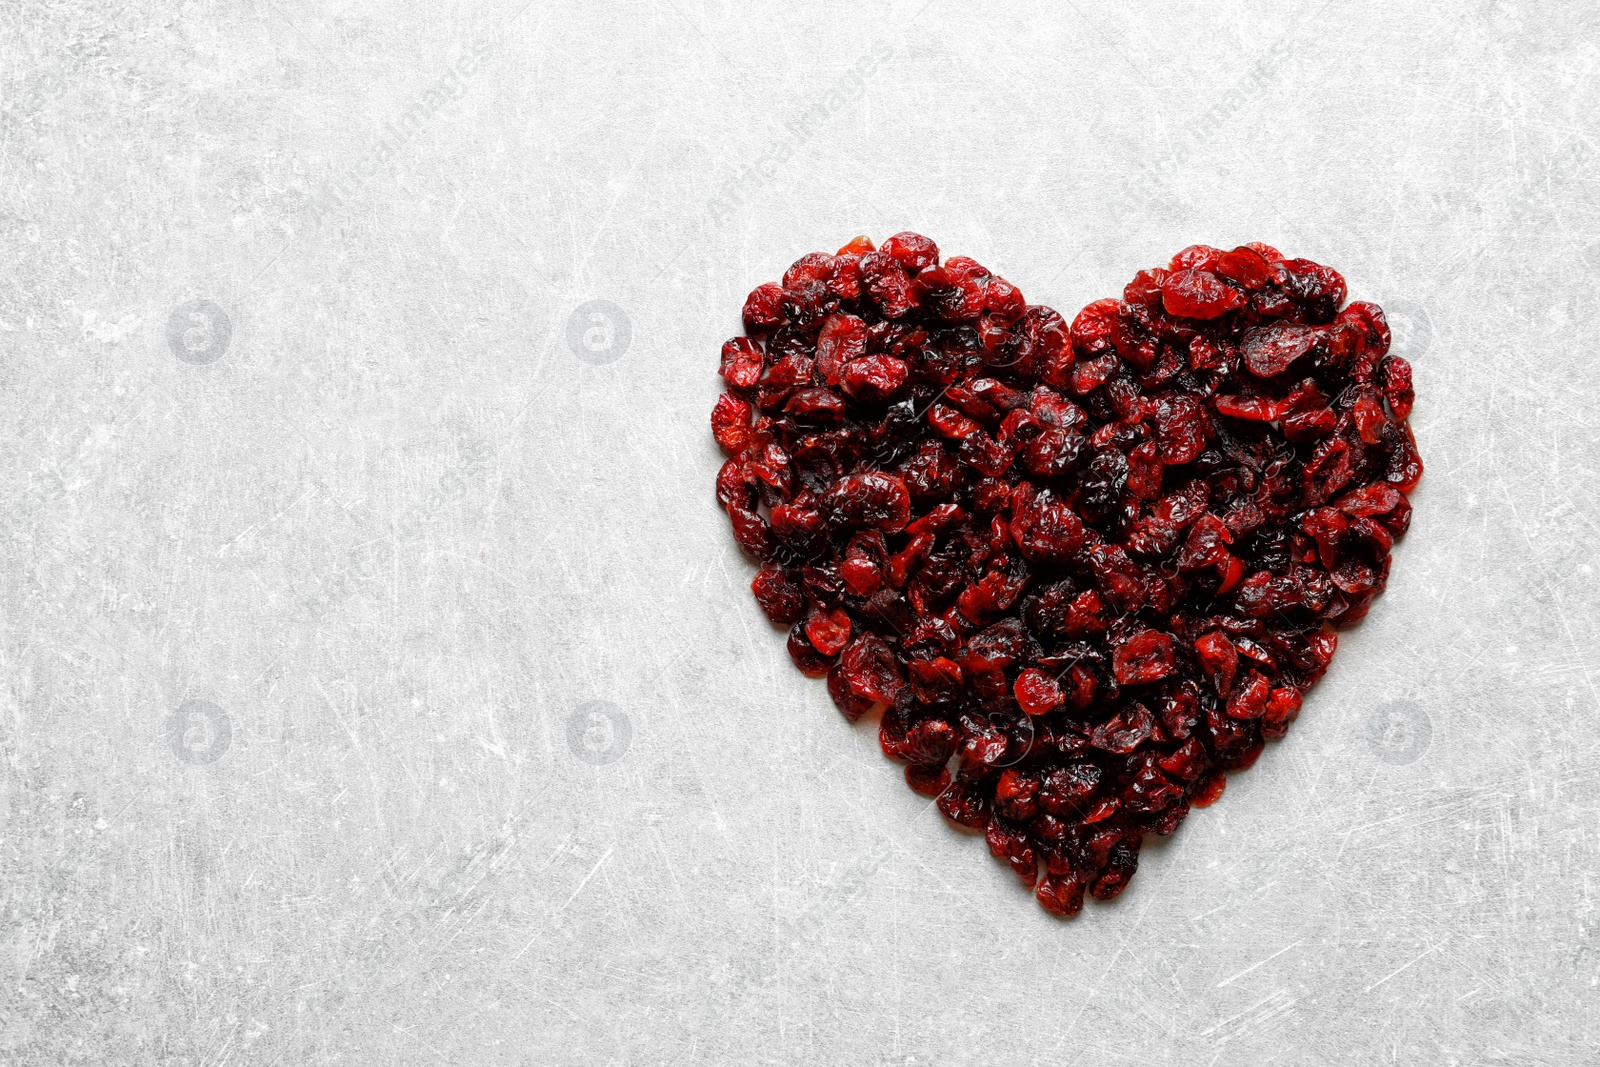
x=387, y=690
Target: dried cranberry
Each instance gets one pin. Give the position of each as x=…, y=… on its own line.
x=1124, y=731
x=887, y=285
x=730, y=423
x=1143, y=658
x=1061, y=894
x=1067, y=789
x=781, y=599
x=1045, y=529
x=1219, y=659
x=812, y=664
x=930, y=742
x=1014, y=795
x=1198, y=294
x=870, y=499
x=763, y=308
x=912, y=251
x=1118, y=868
x=1271, y=350
x=1010, y=843
x=842, y=339
x=1037, y=692
x=965, y=804
x=1150, y=790
x=1196, y=257
x=930, y=781
x=1397, y=387
x=870, y=670
x=829, y=631
x=851, y=704
x=1084, y=571
x=873, y=379
x=1247, y=267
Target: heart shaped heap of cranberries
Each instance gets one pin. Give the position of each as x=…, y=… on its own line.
x=1082, y=572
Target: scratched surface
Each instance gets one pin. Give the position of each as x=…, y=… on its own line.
x=381, y=684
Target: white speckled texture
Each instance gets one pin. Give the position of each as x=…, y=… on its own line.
x=378, y=553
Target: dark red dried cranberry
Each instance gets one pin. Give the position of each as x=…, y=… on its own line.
x=1061, y=894
x=1144, y=657
x=1247, y=268
x=1199, y=294
x=730, y=423
x=1009, y=842
x=783, y=600
x=887, y=286
x=930, y=742
x=1270, y=350
x=869, y=668
x=829, y=631
x=1038, y=693
x=763, y=308
x=912, y=251
x=965, y=804
x=812, y=664
x=1196, y=257
x=930, y=781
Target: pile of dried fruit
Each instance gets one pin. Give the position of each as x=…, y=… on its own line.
x=1086, y=571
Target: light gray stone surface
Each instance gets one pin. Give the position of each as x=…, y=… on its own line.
x=294, y=638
